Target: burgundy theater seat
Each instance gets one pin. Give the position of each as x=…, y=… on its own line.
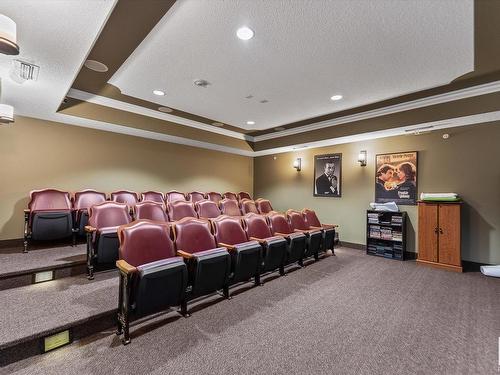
x=49, y=216
x=296, y=241
x=274, y=247
x=248, y=206
x=328, y=229
x=215, y=197
x=180, y=209
x=229, y=207
x=208, y=265
x=230, y=195
x=264, y=206
x=151, y=211
x=207, y=209
x=314, y=235
x=174, y=195
x=195, y=196
x=82, y=202
x=153, y=196
x=243, y=195
x=130, y=198
x=102, y=238
x=152, y=277
x=245, y=254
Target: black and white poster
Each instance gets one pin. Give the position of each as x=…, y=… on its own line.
x=328, y=175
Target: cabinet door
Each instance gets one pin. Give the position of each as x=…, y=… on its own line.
x=449, y=234
x=427, y=235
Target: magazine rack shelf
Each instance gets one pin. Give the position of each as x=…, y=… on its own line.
x=386, y=234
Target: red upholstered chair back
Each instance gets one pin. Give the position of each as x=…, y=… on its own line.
x=229, y=207
x=195, y=196
x=151, y=211
x=49, y=199
x=109, y=214
x=311, y=218
x=256, y=226
x=153, y=196
x=180, y=209
x=279, y=223
x=263, y=205
x=174, y=195
x=193, y=235
x=215, y=197
x=296, y=220
x=207, y=209
x=87, y=198
x=130, y=198
x=248, y=206
x=228, y=229
x=145, y=241
x=243, y=195
x=230, y=195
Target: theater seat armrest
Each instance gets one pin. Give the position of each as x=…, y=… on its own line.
x=124, y=267
x=283, y=234
x=184, y=254
x=315, y=228
x=299, y=230
x=27, y=210
x=259, y=240
x=90, y=229
x=227, y=246
x=331, y=225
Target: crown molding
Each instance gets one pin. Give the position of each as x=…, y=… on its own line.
x=124, y=106
x=468, y=92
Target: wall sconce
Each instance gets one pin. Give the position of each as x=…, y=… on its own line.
x=362, y=158
x=297, y=164
x=8, y=37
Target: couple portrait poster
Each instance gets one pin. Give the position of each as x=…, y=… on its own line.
x=396, y=178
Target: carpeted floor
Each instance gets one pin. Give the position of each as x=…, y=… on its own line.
x=349, y=314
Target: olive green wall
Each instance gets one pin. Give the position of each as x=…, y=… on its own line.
x=468, y=163
x=37, y=154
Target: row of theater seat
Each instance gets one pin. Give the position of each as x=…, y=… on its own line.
x=166, y=264
x=53, y=214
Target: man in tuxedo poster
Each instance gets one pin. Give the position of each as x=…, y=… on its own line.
x=327, y=184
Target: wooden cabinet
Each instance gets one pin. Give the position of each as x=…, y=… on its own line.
x=439, y=235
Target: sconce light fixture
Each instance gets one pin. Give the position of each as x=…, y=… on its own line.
x=8, y=37
x=297, y=164
x=362, y=158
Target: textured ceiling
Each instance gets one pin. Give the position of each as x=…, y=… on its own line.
x=303, y=52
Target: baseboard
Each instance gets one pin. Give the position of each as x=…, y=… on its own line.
x=352, y=245
x=469, y=266
x=14, y=243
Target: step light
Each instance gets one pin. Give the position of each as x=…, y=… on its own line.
x=56, y=341
x=41, y=277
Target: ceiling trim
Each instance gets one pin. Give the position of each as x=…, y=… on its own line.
x=468, y=92
x=124, y=106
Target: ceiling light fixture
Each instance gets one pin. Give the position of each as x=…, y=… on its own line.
x=8, y=36
x=165, y=109
x=245, y=33
x=250, y=122
x=96, y=66
x=336, y=97
x=6, y=114
x=159, y=92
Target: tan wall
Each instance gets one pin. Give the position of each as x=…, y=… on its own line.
x=36, y=154
x=467, y=163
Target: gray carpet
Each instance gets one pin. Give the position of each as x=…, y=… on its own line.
x=349, y=314
x=16, y=262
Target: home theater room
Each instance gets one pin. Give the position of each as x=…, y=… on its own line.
x=251, y=187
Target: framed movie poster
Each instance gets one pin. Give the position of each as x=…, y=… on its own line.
x=396, y=178
x=328, y=175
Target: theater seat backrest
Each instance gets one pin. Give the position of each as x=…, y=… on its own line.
x=87, y=198
x=193, y=235
x=311, y=218
x=279, y=223
x=263, y=205
x=130, y=198
x=151, y=238
x=230, y=195
x=109, y=214
x=229, y=207
x=256, y=226
x=49, y=199
x=244, y=195
x=248, y=206
x=180, y=209
x=207, y=209
x=151, y=211
x=296, y=220
x=214, y=196
x=153, y=196
x=195, y=196
x=229, y=230
x=174, y=195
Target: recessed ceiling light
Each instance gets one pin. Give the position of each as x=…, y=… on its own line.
x=336, y=97
x=218, y=124
x=250, y=122
x=159, y=92
x=165, y=109
x=96, y=66
x=244, y=33
x=279, y=128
